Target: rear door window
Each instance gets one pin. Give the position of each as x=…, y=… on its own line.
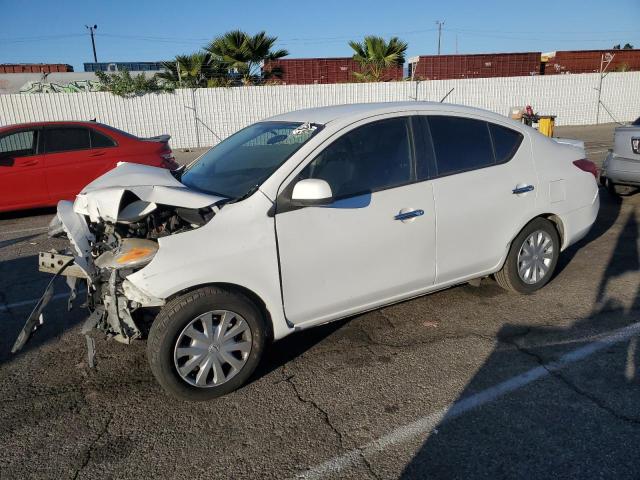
x=100, y=140
x=373, y=157
x=19, y=144
x=65, y=139
x=505, y=142
x=460, y=144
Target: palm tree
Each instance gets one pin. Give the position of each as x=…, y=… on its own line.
x=244, y=54
x=375, y=55
x=192, y=71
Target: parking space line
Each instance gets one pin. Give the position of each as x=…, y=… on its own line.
x=6, y=308
x=25, y=230
x=426, y=424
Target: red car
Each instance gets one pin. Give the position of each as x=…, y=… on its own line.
x=42, y=163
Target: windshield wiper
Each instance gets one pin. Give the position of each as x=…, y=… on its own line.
x=177, y=173
x=248, y=193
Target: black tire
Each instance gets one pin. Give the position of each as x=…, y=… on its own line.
x=611, y=187
x=602, y=179
x=176, y=315
x=508, y=278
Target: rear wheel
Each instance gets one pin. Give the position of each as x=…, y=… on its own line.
x=611, y=187
x=205, y=343
x=532, y=258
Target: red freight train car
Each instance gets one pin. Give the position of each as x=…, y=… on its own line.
x=303, y=71
x=444, y=67
x=35, y=67
x=588, y=61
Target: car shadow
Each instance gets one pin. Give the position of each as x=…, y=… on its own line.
x=608, y=214
x=14, y=241
x=289, y=348
x=34, y=212
x=580, y=421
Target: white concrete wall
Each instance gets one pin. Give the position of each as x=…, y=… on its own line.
x=222, y=111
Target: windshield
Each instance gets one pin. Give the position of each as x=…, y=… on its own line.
x=636, y=122
x=247, y=158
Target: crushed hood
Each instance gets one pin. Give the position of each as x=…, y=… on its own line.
x=101, y=199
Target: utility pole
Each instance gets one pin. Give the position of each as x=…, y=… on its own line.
x=440, y=24
x=605, y=61
x=93, y=41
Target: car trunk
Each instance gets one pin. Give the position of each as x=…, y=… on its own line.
x=624, y=140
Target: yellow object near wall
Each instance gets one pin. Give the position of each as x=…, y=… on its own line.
x=546, y=124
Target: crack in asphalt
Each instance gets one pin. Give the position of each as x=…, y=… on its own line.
x=289, y=380
x=572, y=386
x=327, y=420
x=87, y=455
x=442, y=338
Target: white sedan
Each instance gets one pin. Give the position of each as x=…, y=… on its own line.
x=314, y=216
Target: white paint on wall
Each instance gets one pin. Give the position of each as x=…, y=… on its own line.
x=222, y=111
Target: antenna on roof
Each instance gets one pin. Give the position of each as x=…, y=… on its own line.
x=445, y=97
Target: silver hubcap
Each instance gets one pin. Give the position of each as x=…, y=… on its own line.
x=535, y=256
x=212, y=348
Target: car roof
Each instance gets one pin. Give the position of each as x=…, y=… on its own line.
x=40, y=124
x=356, y=111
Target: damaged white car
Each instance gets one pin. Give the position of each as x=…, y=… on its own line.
x=310, y=217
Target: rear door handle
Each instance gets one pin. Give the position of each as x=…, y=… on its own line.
x=408, y=215
x=523, y=189
x=96, y=154
x=29, y=163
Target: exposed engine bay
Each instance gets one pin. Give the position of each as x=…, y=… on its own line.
x=113, y=231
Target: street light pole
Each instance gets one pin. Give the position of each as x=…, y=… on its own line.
x=93, y=41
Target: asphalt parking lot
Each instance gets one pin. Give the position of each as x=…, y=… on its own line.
x=471, y=382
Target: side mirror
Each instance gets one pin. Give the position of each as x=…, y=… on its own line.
x=311, y=192
x=6, y=162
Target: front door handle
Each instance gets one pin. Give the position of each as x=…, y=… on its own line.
x=407, y=215
x=96, y=154
x=29, y=163
x=523, y=189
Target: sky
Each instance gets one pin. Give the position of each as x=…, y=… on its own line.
x=41, y=31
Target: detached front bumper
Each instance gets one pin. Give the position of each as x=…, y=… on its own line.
x=110, y=297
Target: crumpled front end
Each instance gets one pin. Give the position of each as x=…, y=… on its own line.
x=113, y=232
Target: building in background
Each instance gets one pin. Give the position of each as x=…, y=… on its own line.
x=305, y=71
x=34, y=67
x=588, y=61
x=116, y=66
x=484, y=65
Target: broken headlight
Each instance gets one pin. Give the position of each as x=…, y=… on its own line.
x=131, y=253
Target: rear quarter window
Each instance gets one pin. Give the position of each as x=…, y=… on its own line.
x=99, y=140
x=505, y=142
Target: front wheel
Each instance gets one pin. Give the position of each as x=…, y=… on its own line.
x=532, y=258
x=205, y=343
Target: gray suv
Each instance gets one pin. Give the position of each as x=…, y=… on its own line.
x=622, y=165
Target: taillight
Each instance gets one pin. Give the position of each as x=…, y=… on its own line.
x=587, y=166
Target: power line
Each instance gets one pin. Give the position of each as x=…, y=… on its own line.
x=40, y=38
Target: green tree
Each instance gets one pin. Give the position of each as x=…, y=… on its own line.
x=375, y=55
x=199, y=69
x=124, y=85
x=244, y=54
